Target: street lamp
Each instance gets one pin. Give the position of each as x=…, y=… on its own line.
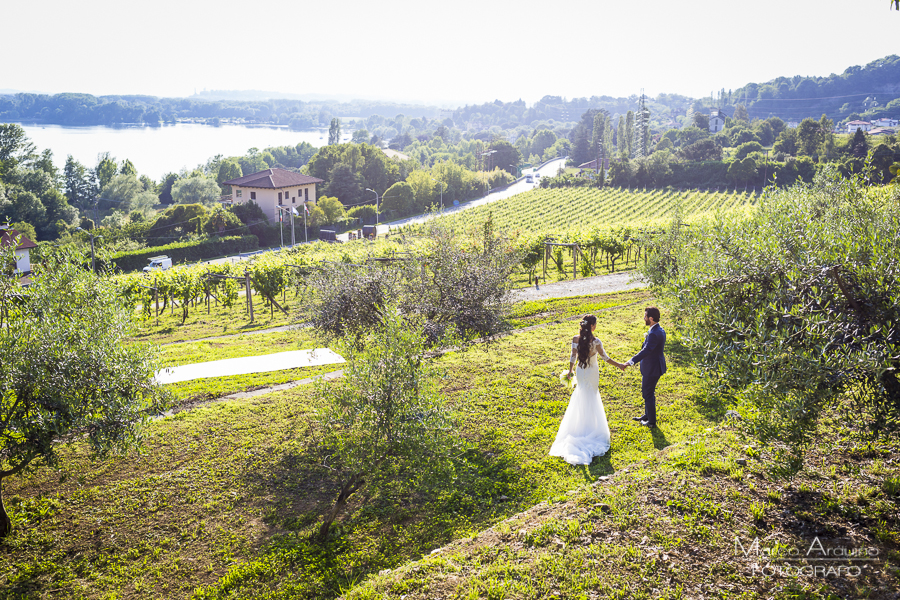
x=376, y=207
x=92, y=246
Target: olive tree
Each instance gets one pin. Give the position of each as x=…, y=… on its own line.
x=795, y=309
x=384, y=424
x=67, y=370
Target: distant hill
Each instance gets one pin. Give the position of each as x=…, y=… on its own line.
x=872, y=91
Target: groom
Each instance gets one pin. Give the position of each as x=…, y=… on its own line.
x=653, y=365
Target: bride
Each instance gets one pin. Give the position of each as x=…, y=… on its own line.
x=584, y=433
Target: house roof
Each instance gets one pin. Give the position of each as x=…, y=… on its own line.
x=394, y=154
x=6, y=240
x=858, y=123
x=273, y=179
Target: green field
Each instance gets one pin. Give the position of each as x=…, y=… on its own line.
x=561, y=210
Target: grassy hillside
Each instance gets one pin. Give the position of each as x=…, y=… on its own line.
x=564, y=209
x=682, y=524
x=223, y=497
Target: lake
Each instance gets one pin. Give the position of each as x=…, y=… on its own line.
x=156, y=151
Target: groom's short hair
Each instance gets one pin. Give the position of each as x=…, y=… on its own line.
x=652, y=312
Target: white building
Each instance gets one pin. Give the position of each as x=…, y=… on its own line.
x=273, y=188
x=852, y=126
x=716, y=121
x=23, y=257
x=886, y=122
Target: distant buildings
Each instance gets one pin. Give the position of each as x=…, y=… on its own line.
x=23, y=256
x=852, y=126
x=274, y=188
x=886, y=122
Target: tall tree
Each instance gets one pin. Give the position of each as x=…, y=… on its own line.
x=128, y=168
x=858, y=146
x=741, y=114
x=621, y=144
x=106, y=169
x=826, y=128
x=334, y=132
x=165, y=187
x=15, y=148
x=810, y=136
x=629, y=133
x=78, y=184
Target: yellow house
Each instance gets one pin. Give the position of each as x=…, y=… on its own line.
x=273, y=188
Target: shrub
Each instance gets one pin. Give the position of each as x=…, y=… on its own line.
x=796, y=310
x=186, y=251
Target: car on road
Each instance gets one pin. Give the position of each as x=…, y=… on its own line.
x=159, y=263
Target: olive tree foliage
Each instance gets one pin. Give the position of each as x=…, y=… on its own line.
x=459, y=289
x=795, y=310
x=384, y=426
x=68, y=372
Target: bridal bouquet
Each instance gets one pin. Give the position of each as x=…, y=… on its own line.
x=567, y=379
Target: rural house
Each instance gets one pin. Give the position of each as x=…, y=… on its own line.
x=716, y=121
x=273, y=188
x=852, y=126
x=23, y=258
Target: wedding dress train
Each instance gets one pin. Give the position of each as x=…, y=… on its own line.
x=584, y=432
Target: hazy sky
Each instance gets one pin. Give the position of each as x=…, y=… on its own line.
x=450, y=53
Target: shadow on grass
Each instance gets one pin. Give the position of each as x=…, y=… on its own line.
x=379, y=528
x=659, y=438
x=601, y=465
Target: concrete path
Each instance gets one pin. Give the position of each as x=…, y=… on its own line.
x=601, y=284
x=250, y=364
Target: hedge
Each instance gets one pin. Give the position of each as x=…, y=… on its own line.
x=181, y=252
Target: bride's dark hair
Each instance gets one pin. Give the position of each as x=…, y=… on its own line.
x=585, y=339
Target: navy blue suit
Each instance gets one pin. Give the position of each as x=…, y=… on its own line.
x=653, y=366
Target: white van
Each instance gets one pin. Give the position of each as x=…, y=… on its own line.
x=159, y=263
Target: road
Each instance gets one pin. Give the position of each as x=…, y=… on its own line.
x=522, y=185
x=548, y=170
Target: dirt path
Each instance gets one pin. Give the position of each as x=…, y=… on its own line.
x=601, y=284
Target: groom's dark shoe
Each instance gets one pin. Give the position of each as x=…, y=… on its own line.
x=646, y=423
x=639, y=419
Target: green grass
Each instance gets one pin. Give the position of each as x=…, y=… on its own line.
x=221, y=501
x=233, y=347
x=226, y=495
x=220, y=321
x=561, y=210
x=665, y=528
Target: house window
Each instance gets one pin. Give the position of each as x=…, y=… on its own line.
x=253, y=195
x=306, y=191
x=238, y=193
x=294, y=200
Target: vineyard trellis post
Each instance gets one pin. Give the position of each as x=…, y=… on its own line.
x=576, y=250
x=249, y=293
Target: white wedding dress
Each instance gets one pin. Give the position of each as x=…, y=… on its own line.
x=584, y=433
